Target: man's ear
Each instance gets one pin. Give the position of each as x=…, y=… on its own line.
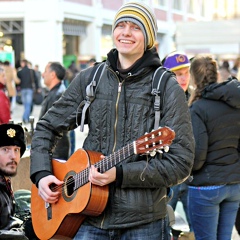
x=53, y=74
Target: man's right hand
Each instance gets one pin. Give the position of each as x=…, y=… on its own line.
x=50, y=195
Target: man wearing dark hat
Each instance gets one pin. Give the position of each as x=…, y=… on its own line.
x=121, y=112
x=12, y=147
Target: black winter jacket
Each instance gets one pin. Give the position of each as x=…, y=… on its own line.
x=6, y=206
x=62, y=148
x=28, y=78
x=216, y=127
x=122, y=112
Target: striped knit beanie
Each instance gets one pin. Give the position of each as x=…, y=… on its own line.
x=141, y=15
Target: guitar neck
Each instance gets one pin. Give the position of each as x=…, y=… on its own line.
x=115, y=158
x=105, y=164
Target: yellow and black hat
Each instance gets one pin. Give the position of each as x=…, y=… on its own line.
x=12, y=135
x=141, y=15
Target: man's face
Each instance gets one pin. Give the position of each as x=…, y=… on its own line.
x=9, y=159
x=129, y=40
x=47, y=75
x=183, y=77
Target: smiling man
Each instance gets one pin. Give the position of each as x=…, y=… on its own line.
x=122, y=111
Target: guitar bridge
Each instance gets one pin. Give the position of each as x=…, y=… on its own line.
x=49, y=210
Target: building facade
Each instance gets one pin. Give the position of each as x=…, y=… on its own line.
x=62, y=30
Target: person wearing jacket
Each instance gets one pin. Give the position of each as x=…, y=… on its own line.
x=121, y=112
x=12, y=147
x=5, y=112
x=11, y=81
x=179, y=63
x=53, y=78
x=214, y=192
x=28, y=84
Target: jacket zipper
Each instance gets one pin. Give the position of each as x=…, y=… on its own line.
x=115, y=127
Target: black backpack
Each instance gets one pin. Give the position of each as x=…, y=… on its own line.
x=160, y=77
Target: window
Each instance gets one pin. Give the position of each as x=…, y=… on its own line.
x=159, y=2
x=191, y=7
x=177, y=4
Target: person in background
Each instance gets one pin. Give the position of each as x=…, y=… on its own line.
x=235, y=68
x=91, y=62
x=11, y=81
x=179, y=63
x=73, y=70
x=70, y=73
x=122, y=111
x=5, y=112
x=238, y=75
x=53, y=76
x=28, y=84
x=39, y=75
x=237, y=222
x=214, y=192
x=12, y=147
x=224, y=73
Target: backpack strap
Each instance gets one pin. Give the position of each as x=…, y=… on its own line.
x=160, y=77
x=95, y=75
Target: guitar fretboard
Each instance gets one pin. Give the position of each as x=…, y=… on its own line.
x=105, y=164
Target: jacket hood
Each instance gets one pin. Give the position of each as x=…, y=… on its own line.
x=227, y=91
x=150, y=59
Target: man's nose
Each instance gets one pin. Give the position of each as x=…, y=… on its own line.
x=127, y=30
x=13, y=153
x=183, y=77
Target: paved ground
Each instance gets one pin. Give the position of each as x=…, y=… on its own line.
x=17, y=117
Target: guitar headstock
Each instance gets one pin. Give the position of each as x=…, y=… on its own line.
x=154, y=141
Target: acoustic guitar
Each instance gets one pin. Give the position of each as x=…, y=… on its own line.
x=79, y=197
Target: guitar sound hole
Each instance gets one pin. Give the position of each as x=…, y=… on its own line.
x=70, y=186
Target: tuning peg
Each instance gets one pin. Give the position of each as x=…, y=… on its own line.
x=166, y=148
x=153, y=153
x=159, y=151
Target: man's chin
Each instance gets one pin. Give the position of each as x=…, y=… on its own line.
x=8, y=173
x=12, y=174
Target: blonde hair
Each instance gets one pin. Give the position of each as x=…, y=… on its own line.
x=203, y=71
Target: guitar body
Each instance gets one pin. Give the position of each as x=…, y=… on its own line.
x=62, y=219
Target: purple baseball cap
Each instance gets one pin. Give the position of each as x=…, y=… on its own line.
x=176, y=60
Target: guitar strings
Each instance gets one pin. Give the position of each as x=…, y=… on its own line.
x=82, y=177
